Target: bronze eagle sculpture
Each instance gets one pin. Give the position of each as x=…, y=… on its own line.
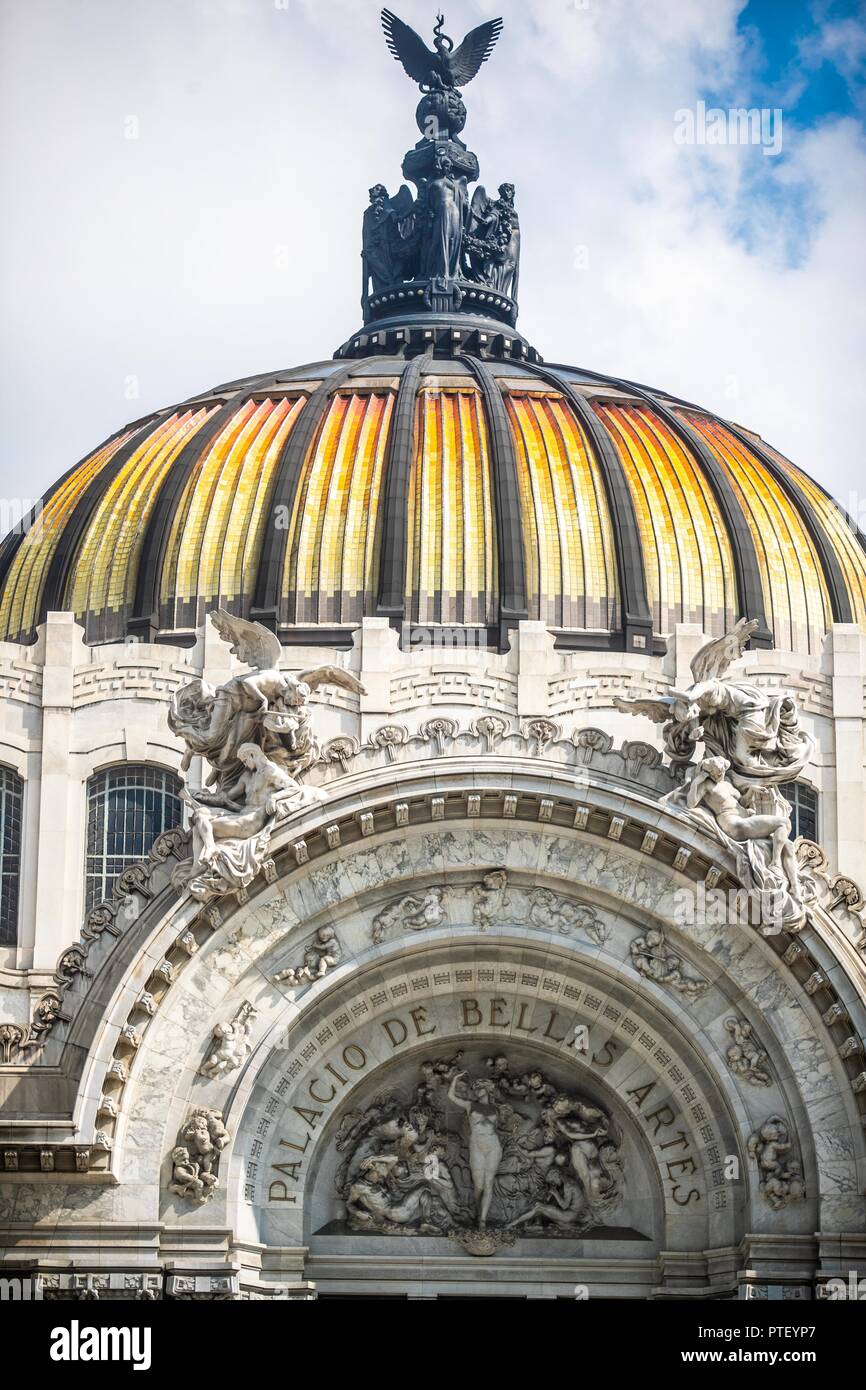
x=443, y=66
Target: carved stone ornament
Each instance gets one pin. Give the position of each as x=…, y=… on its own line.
x=232, y=1044
x=256, y=732
x=779, y=1175
x=652, y=958
x=202, y=1139
x=752, y=742
x=320, y=956
x=494, y=901
x=745, y=1057
x=483, y=1158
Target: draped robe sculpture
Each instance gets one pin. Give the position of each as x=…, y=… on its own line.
x=256, y=732
x=753, y=741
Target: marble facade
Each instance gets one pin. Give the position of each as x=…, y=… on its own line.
x=491, y=872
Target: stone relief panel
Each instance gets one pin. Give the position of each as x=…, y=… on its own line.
x=652, y=958
x=320, y=955
x=780, y=1175
x=491, y=901
x=483, y=1148
x=203, y=1137
x=745, y=1056
x=231, y=1043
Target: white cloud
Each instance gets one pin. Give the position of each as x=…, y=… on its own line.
x=261, y=129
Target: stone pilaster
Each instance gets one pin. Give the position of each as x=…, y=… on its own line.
x=536, y=663
x=848, y=672
x=380, y=657
x=60, y=885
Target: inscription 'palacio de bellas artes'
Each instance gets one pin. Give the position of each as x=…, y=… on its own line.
x=472, y=1016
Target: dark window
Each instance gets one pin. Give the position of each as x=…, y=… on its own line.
x=11, y=788
x=127, y=807
x=804, y=809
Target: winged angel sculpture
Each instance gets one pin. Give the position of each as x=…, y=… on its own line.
x=752, y=742
x=257, y=735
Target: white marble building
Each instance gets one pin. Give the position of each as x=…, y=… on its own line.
x=357, y=937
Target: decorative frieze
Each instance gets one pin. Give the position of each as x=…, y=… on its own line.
x=319, y=956
x=494, y=900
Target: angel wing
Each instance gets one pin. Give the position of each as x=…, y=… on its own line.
x=250, y=642
x=479, y=207
x=475, y=49
x=402, y=202
x=657, y=710
x=332, y=675
x=409, y=48
x=715, y=657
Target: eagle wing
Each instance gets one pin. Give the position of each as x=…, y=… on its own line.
x=332, y=675
x=408, y=47
x=250, y=642
x=715, y=657
x=475, y=49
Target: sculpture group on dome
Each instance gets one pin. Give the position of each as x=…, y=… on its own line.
x=753, y=741
x=256, y=732
x=443, y=234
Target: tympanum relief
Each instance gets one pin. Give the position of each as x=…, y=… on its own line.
x=481, y=1151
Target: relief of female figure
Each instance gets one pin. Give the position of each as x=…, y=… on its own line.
x=485, y=1148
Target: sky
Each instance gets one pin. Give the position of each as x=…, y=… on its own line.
x=184, y=182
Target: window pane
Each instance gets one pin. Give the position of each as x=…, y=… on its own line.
x=127, y=808
x=11, y=788
x=804, y=809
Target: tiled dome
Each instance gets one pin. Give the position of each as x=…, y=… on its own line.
x=440, y=488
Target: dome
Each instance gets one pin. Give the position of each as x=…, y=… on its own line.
x=436, y=471
x=446, y=479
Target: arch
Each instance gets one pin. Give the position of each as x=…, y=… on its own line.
x=373, y=842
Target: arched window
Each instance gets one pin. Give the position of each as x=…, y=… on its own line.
x=11, y=788
x=127, y=807
x=804, y=809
